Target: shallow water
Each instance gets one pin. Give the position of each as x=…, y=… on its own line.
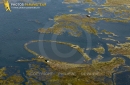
x=19, y=27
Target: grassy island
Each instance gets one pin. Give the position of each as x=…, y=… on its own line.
x=80, y=50
x=78, y=73
x=99, y=50
x=78, y=1
x=123, y=49
x=127, y=38
x=71, y=23
x=15, y=79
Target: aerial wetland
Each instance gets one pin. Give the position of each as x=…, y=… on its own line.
x=103, y=62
